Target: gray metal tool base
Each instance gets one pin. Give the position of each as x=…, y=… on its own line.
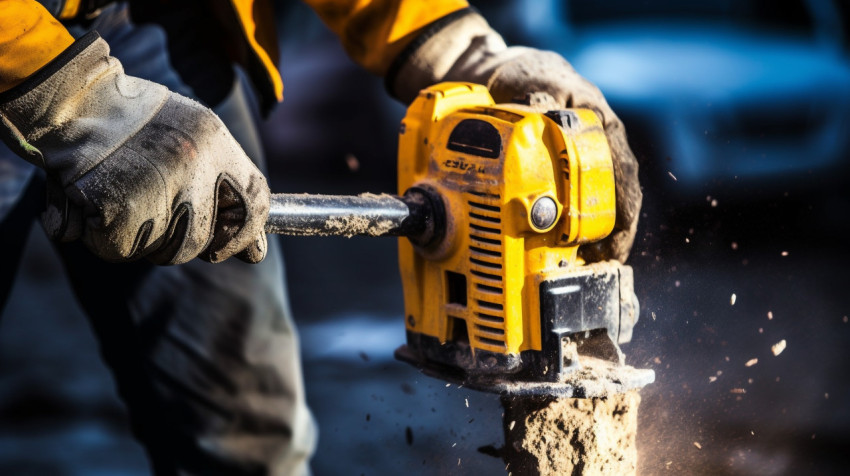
x=596, y=378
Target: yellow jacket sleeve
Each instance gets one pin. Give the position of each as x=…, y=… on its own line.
x=256, y=46
x=374, y=32
x=29, y=38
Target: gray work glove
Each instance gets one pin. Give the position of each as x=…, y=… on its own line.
x=146, y=172
x=463, y=47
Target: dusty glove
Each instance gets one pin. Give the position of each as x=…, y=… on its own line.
x=463, y=47
x=149, y=173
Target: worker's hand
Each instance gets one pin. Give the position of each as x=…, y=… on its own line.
x=467, y=49
x=147, y=172
x=540, y=75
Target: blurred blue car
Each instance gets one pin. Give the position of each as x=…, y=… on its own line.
x=723, y=92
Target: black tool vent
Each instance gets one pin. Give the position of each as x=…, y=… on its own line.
x=476, y=137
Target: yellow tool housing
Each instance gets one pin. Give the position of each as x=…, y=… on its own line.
x=491, y=164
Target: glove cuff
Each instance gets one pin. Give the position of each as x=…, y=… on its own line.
x=50, y=69
x=58, y=116
x=9, y=132
x=437, y=52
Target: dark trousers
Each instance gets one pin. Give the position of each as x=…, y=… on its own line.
x=205, y=356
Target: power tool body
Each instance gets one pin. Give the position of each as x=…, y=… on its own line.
x=496, y=200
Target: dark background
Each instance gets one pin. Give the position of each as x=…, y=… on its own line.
x=746, y=104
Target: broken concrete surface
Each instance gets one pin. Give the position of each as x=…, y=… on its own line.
x=571, y=436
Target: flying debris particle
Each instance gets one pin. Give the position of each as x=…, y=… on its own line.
x=843, y=319
x=732, y=299
x=458, y=461
x=699, y=446
x=761, y=330
x=752, y=433
x=678, y=283
x=751, y=362
x=734, y=245
x=727, y=358
x=448, y=385
x=738, y=390
x=352, y=163
x=653, y=317
x=657, y=360
x=778, y=347
x=511, y=426
x=687, y=240
x=784, y=253
x=466, y=400
x=364, y=356
x=826, y=396
x=672, y=176
x=769, y=315
x=714, y=203
x=408, y=435
x=454, y=444
x=712, y=379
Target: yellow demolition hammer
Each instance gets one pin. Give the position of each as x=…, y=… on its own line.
x=496, y=200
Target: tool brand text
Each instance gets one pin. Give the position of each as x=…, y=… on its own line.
x=464, y=166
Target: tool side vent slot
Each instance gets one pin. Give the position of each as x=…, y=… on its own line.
x=491, y=277
x=490, y=318
x=484, y=207
x=485, y=264
x=488, y=289
x=475, y=249
x=483, y=194
x=455, y=288
x=485, y=218
x=485, y=229
x=493, y=342
x=489, y=241
x=491, y=330
x=490, y=305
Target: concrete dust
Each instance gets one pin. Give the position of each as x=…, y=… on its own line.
x=575, y=436
x=352, y=225
x=778, y=347
x=347, y=225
